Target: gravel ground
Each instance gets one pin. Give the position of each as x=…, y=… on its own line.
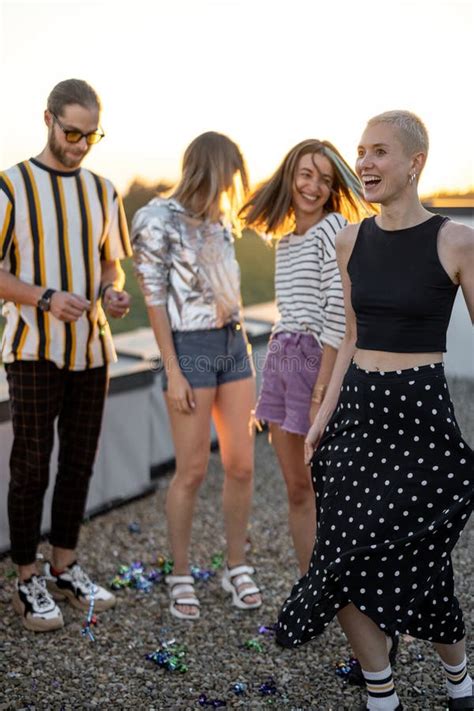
x=64, y=670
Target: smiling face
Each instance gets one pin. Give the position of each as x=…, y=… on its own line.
x=384, y=164
x=74, y=117
x=311, y=189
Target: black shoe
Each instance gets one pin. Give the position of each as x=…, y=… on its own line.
x=465, y=703
x=355, y=675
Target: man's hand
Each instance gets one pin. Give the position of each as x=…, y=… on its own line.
x=116, y=303
x=68, y=307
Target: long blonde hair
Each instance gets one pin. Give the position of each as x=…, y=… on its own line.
x=214, y=178
x=269, y=208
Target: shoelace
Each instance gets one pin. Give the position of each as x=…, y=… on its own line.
x=80, y=577
x=37, y=590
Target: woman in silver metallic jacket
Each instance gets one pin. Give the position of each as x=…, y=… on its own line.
x=185, y=262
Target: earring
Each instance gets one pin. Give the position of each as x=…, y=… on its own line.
x=412, y=178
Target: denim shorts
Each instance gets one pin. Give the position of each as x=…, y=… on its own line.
x=289, y=375
x=212, y=357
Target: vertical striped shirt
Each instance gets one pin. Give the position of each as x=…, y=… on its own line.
x=55, y=229
x=308, y=283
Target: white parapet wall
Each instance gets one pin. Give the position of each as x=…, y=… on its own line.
x=459, y=358
x=136, y=439
x=122, y=467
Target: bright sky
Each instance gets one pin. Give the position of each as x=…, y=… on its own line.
x=268, y=73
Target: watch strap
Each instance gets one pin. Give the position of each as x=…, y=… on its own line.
x=45, y=300
x=104, y=289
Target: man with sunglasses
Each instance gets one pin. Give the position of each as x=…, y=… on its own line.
x=62, y=234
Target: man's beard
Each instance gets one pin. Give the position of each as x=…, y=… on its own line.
x=60, y=154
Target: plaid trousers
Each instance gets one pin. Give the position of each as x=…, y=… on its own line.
x=40, y=392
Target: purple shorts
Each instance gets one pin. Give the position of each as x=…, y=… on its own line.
x=289, y=375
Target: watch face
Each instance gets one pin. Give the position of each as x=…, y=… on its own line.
x=44, y=304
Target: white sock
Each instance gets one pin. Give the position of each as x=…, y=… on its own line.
x=458, y=681
x=381, y=691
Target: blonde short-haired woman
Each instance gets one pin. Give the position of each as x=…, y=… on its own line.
x=393, y=475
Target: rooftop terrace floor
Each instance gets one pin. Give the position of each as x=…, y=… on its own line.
x=65, y=670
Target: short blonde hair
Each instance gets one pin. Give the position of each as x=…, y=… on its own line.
x=413, y=131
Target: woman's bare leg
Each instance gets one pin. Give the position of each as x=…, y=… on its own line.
x=452, y=654
x=367, y=640
x=289, y=449
x=231, y=413
x=458, y=681
x=191, y=437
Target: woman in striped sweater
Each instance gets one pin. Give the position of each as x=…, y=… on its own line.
x=309, y=198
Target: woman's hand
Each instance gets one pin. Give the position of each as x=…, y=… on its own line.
x=315, y=433
x=180, y=393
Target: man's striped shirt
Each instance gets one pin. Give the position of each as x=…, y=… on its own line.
x=55, y=229
x=308, y=284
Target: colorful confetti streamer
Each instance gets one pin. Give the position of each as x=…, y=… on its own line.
x=344, y=668
x=268, y=688
x=217, y=561
x=270, y=630
x=214, y=703
x=91, y=618
x=239, y=688
x=169, y=657
x=254, y=644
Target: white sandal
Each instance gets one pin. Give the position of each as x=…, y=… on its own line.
x=179, y=585
x=233, y=579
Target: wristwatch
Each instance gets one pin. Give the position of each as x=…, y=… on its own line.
x=44, y=303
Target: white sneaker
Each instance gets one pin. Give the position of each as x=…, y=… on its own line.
x=37, y=608
x=74, y=585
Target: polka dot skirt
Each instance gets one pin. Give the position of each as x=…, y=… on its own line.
x=394, y=485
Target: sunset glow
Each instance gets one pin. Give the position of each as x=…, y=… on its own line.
x=266, y=72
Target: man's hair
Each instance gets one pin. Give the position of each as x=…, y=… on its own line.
x=72, y=91
x=413, y=132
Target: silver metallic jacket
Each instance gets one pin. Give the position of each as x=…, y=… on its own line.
x=187, y=265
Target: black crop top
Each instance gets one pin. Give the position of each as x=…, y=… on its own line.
x=401, y=294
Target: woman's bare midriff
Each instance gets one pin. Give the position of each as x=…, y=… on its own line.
x=385, y=362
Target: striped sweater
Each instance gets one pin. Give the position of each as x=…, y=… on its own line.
x=55, y=229
x=308, y=284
